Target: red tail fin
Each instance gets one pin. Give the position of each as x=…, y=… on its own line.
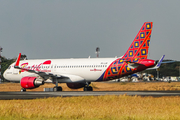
x=140, y=45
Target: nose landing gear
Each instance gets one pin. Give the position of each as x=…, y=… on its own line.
x=23, y=90
x=57, y=88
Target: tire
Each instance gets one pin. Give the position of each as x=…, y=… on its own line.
x=88, y=88
x=23, y=90
x=85, y=88
x=59, y=88
x=55, y=89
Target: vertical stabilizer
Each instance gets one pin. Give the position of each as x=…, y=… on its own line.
x=140, y=45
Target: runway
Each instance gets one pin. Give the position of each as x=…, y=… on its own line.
x=34, y=95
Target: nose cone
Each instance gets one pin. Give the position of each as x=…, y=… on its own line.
x=5, y=74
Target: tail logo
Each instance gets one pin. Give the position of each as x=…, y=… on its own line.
x=137, y=52
x=35, y=67
x=140, y=45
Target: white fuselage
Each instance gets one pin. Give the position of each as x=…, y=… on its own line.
x=87, y=69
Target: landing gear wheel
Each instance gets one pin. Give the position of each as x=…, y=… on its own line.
x=55, y=89
x=23, y=90
x=85, y=88
x=88, y=88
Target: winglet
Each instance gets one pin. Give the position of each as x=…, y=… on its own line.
x=17, y=61
x=159, y=62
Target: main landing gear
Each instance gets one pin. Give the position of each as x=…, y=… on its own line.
x=57, y=88
x=87, y=87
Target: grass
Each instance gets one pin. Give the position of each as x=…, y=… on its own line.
x=92, y=108
x=108, y=107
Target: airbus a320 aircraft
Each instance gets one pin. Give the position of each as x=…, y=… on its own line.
x=78, y=73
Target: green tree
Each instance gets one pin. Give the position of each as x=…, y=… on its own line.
x=167, y=69
x=5, y=64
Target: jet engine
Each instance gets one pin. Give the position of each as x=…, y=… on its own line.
x=75, y=85
x=30, y=82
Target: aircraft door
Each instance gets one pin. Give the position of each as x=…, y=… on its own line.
x=54, y=68
x=15, y=71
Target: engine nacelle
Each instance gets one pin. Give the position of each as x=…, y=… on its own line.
x=30, y=82
x=75, y=85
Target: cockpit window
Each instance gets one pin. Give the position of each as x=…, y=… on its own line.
x=9, y=67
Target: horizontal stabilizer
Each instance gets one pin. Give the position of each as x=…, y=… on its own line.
x=159, y=63
x=168, y=62
x=132, y=64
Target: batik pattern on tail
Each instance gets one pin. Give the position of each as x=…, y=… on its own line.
x=137, y=51
x=140, y=45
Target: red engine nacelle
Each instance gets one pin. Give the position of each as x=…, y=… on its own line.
x=75, y=85
x=30, y=82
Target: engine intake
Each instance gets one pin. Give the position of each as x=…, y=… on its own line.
x=31, y=82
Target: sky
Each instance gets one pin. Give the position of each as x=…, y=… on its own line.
x=74, y=28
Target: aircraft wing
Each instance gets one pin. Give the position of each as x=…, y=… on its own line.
x=40, y=73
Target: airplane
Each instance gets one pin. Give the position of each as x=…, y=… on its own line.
x=79, y=73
